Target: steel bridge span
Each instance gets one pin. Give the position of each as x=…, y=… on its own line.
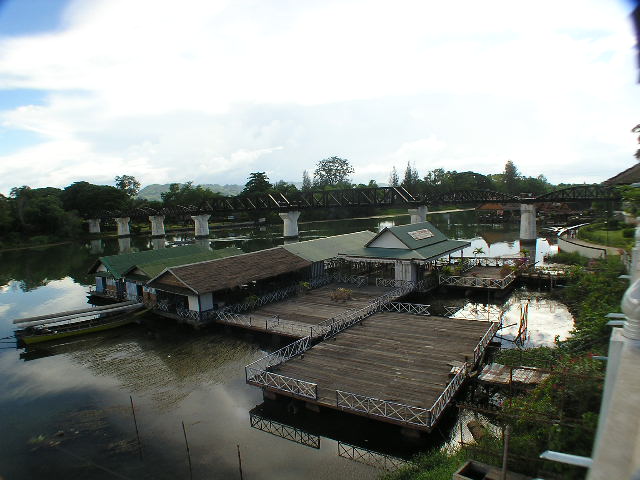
x=290, y=205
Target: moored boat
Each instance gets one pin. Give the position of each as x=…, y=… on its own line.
x=49, y=332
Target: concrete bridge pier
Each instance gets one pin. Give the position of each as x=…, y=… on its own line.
x=96, y=246
x=124, y=244
x=418, y=215
x=204, y=242
x=123, y=226
x=157, y=225
x=290, y=220
x=201, y=225
x=528, y=223
x=94, y=225
x=158, y=243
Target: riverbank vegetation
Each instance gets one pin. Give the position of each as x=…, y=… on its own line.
x=612, y=234
x=559, y=414
x=48, y=215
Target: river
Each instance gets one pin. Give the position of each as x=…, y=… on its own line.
x=67, y=408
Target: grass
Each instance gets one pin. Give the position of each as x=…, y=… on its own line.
x=598, y=233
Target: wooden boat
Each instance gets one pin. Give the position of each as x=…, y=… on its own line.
x=49, y=332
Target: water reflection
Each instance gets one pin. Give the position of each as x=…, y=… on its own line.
x=176, y=374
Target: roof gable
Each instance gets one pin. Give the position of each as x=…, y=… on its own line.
x=387, y=239
x=413, y=236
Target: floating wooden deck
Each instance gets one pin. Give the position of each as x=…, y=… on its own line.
x=297, y=316
x=397, y=368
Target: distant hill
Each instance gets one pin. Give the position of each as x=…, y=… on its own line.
x=153, y=191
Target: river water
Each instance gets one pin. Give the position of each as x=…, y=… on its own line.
x=66, y=409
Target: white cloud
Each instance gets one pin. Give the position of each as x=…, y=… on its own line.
x=213, y=89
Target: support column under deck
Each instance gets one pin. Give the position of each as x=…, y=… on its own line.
x=157, y=225
x=290, y=220
x=528, y=222
x=201, y=225
x=123, y=226
x=418, y=215
x=94, y=225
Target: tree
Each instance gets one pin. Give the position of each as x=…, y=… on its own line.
x=411, y=178
x=89, y=200
x=306, y=181
x=284, y=187
x=511, y=177
x=636, y=129
x=332, y=172
x=478, y=251
x=128, y=184
x=394, y=181
x=186, y=194
x=258, y=183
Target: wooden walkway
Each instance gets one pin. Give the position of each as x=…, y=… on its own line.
x=393, y=367
x=296, y=316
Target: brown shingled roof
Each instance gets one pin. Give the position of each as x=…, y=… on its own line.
x=230, y=272
x=626, y=177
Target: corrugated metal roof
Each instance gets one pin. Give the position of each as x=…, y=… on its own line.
x=118, y=265
x=155, y=268
x=425, y=253
x=329, y=247
x=411, y=236
x=224, y=273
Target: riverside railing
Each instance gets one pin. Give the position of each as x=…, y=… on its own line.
x=369, y=457
x=479, y=350
x=257, y=373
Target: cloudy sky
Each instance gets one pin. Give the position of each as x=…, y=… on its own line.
x=212, y=90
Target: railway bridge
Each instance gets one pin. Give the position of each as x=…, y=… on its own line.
x=290, y=205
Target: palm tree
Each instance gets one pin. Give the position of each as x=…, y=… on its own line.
x=477, y=251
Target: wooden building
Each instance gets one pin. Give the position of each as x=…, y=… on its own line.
x=125, y=276
x=409, y=250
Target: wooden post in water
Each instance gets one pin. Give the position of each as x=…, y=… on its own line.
x=188, y=453
x=505, y=452
x=239, y=461
x=135, y=422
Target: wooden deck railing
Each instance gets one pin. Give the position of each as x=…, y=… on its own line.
x=332, y=326
x=479, y=350
x=462, y=281
x=269, y=324
x=412, y=308
x=383, y=408
x=257, y=373
x=445, y=397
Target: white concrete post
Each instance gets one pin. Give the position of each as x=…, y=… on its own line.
x=123, y=226
x=418, y=215
x=157, y=225
x=527, y=222
x=290, y=220
x=635, y=255
x=94, y=225
x=201, y=225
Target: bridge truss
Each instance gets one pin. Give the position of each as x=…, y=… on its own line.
x=362, y=197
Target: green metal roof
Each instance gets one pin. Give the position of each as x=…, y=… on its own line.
x=329, y=247
x=153, y=269
x=424, y=235
x=118, y=265
x=425, y=253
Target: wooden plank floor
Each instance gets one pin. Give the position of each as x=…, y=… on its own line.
x=317, y=305
x=391, y=356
